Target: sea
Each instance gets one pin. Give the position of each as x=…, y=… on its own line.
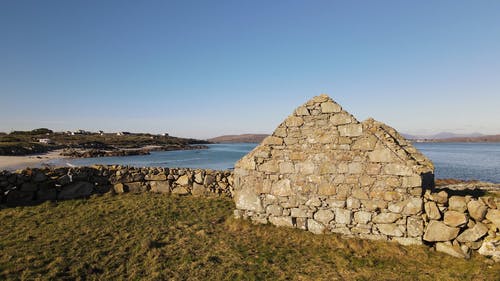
x=466, y=161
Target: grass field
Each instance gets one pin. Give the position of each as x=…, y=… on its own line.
x=155, y=237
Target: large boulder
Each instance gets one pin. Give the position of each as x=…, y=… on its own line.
x=76, y=190
x=438, y=231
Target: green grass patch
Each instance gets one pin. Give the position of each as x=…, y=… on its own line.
x=157, y=237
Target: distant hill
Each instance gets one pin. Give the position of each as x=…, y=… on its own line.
x=442, y=135
x=489, y=138
x=246, y=138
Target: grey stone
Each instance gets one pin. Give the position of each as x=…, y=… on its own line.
x=247, y=199
x=180, y=190
x=438, y=231
x=390, y=229
x=413, y=206
x=315, y=227
x=362, y=217
x=457, y=203
x=452, y=250
x=198, y=190
x=343, y=216
x=160, y=186
x=455, y=219
x=274, y=210
x=76, y=190
x=473, y=234
x=491, y=248
x=386, y=218
x=494, y=217
x=415, y=227
x=184, y=180
x=432, y=211
x=299, y=213
x=324, y=216
x=282, y=188
x=281, y=221
x=477, y=210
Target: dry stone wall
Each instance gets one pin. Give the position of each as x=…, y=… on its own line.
x=324, y=171
x=33, y=186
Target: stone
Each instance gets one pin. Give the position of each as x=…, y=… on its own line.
x=381, y=155
x=365, y=143
x=282, y=188
x=272, y=140
x=473, y=234
x=397, y=170
x=136, y=187
x=315, y=227
x=198, y=190
x=353, y=203
x=350, y=130
x=432, y=211
x=415, y=227
x=160, y=186
x=362, y=217
x=457, y=203
x=286, y=168
x=491, y=248
x=359, y=194
x=407, y=241
x=299, y=213
x=324, y=216
x=343, y=216
x=281, y=221
x=397, y=207
x=209, y=179
x=76, y=190
x=452, y=250
x=119, y=188
x=455, y=219
x=302, y=111
x=158, y=177
x=412, y=181
x=294, y=121
x=28, y=186
x=270, y=167
x=274, y=210
x=330, y=107
x=246, y=199
x=183, y=180
x=386, y=218
x=494, y=217
x=180, y=190
x=390, y=229
x=437, y=231
x=440, y=197
x=477, y=210
x=413, y=206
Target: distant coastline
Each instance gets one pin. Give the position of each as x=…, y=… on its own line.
x=480, y=139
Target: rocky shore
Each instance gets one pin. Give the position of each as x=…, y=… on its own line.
x=91, y=153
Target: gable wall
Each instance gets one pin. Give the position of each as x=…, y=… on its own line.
x=324, y=171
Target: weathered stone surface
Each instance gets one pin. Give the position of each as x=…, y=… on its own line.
x=330, y=107
x=198, y=190
x=438, y=231
x=281, y=221
x=362, y=217
x=413, y=206
x=452, y=250
x=351, y=130
x=282, y=188
x=491, y=248
x=294, y=121
x=160, y=186
x=299, y=213
x=494, y=217
x=398, y=170
x=415, y=227
x=432, y=211
x=455, y=219
x=457, y=203
x=324, y=216
x=477, y=210
x=274, y=210
x=272, y=140
x=246, y=199
x=390, y=229
x=473, y=234
x=386, y=218
x=119, y=188
x=343, y=216
x=184, y=180
x=76, y=190
x=180, y=190
x=136, y=187
x=440, y=197
x=158, y=177
x=381, y=155
x=315, y=227
x=408, y=241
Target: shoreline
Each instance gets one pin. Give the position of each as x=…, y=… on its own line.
x=12, y=163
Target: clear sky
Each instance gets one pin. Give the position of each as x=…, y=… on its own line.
x=207, y=68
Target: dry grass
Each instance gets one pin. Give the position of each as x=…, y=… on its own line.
x=154, y=237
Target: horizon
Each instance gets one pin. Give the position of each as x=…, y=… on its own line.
x=201, y=70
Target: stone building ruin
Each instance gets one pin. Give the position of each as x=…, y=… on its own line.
x=324, y=171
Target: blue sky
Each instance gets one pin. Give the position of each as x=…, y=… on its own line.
x=207, y=68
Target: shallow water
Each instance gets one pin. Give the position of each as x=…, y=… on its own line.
x=465, y=161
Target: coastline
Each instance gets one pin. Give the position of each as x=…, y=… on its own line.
x=33, y=161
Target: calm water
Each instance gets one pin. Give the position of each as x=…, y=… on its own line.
x=452, y=160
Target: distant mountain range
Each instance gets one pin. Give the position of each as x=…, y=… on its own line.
x=440, y=137
x=245, y=138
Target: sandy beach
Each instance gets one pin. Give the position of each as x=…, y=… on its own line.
x=33, y=161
